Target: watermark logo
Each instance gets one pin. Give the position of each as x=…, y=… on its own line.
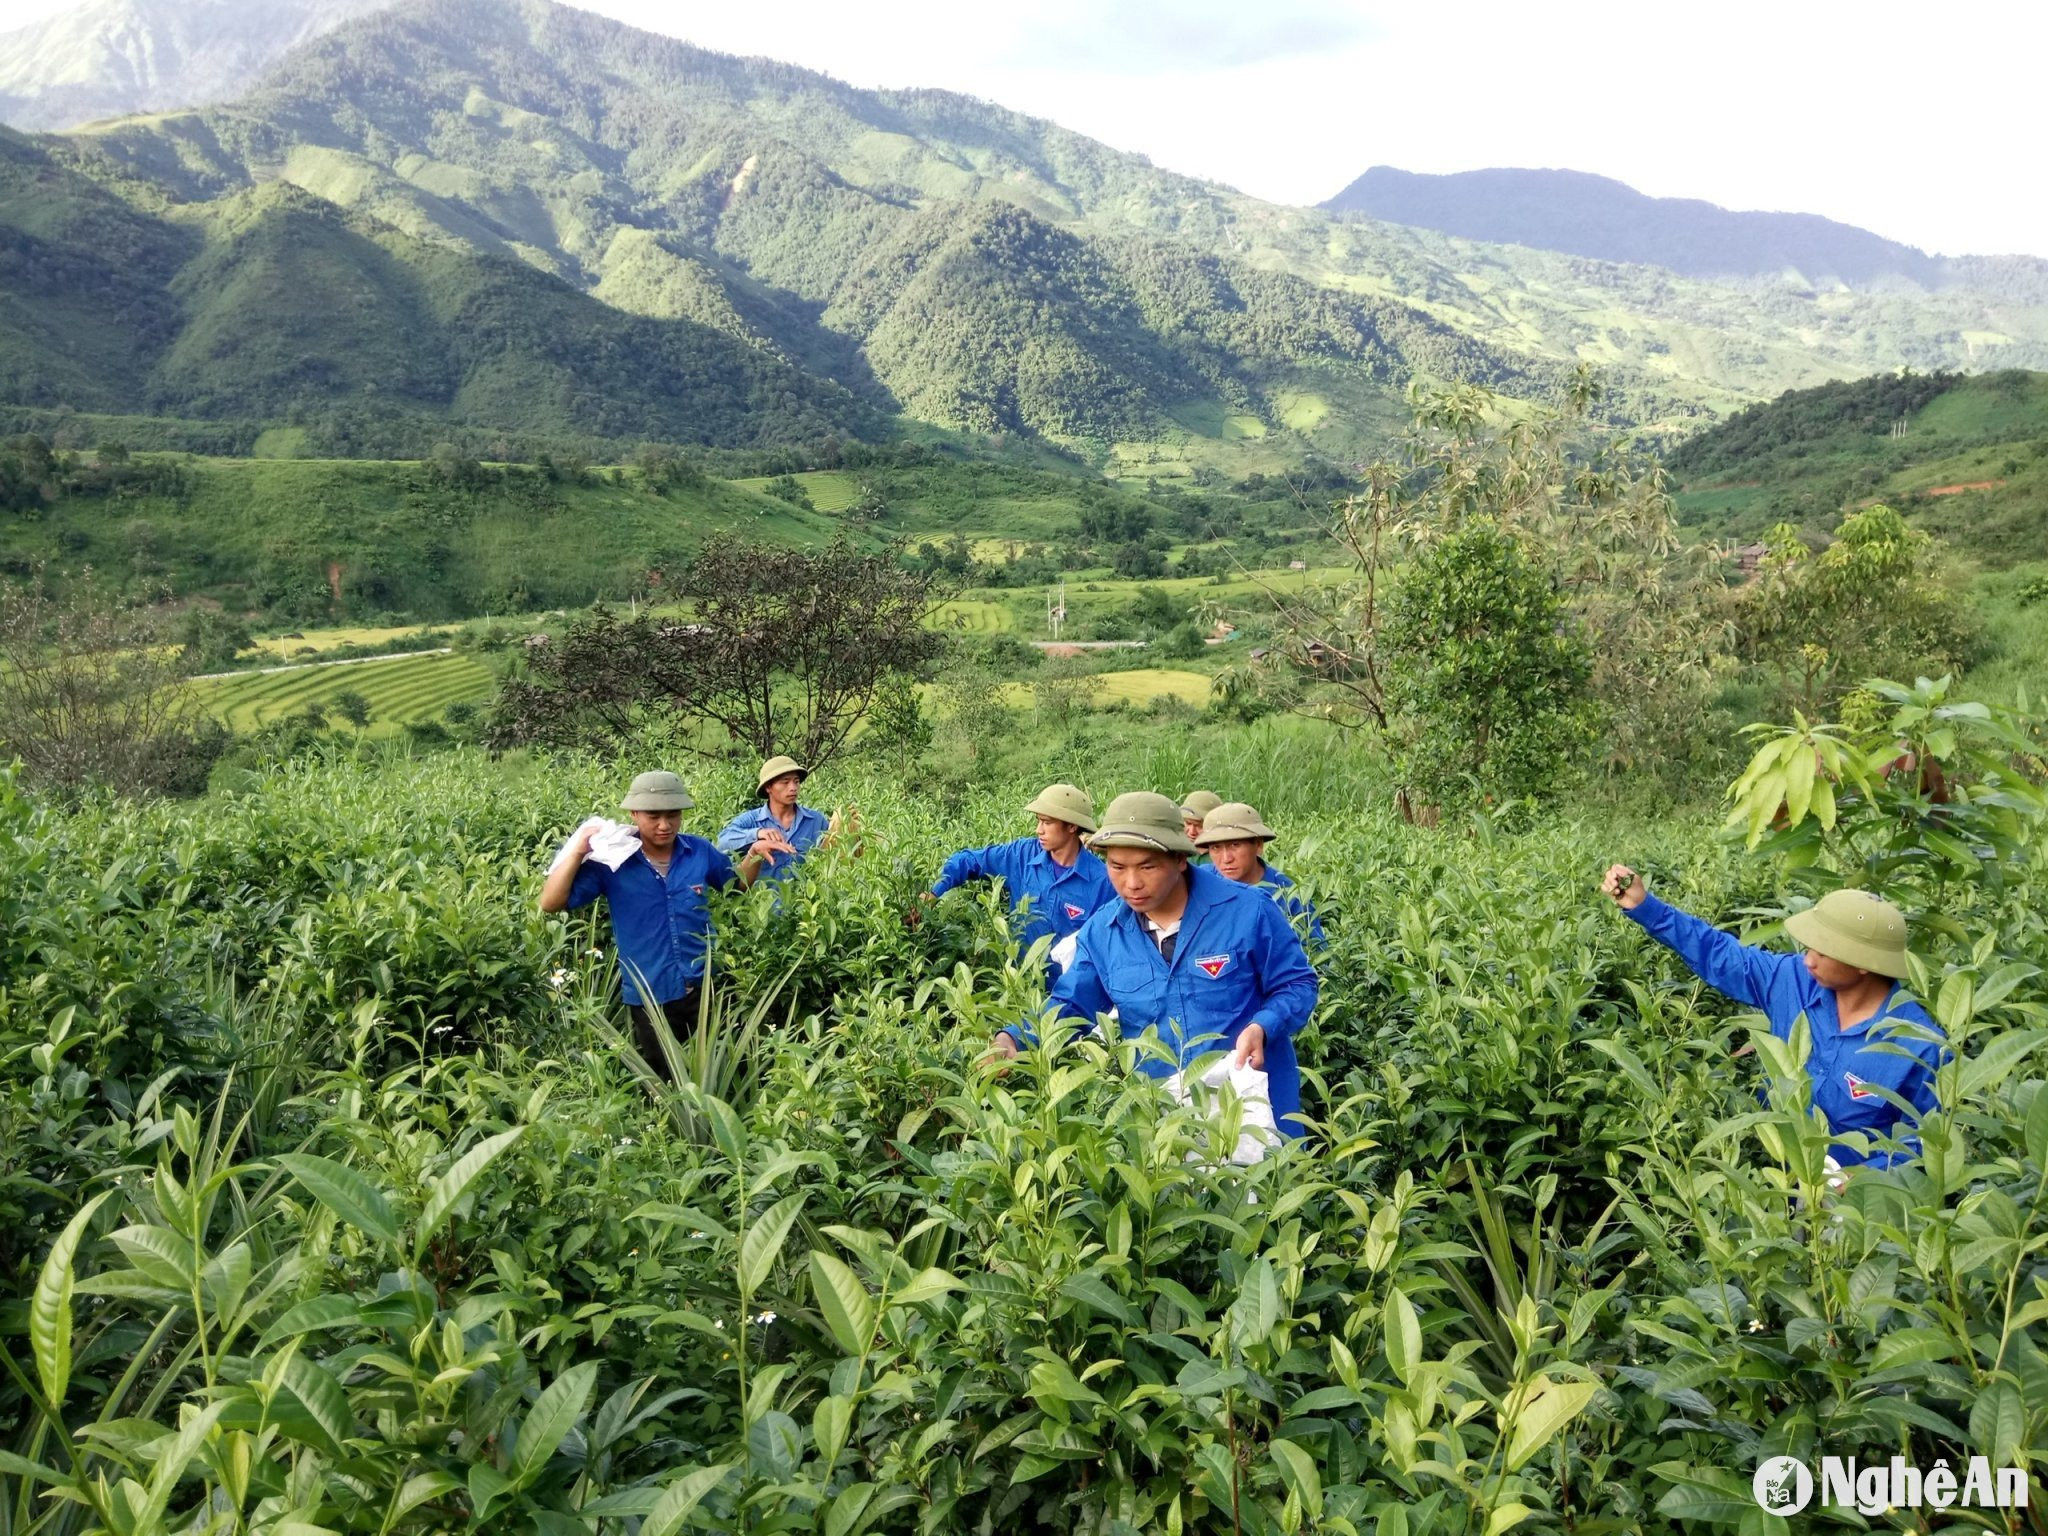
x=1784, y=1485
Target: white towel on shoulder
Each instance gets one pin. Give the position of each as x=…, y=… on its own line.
x=614, y=843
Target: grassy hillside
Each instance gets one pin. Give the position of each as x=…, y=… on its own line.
x=320, y=540
x=1970, y=461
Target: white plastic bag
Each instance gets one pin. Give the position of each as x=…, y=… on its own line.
x=1064, y=951
x=1259, y=1133
x=615, y=843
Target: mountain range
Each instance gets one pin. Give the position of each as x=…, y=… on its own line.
x=1596, y=216
x=513, y=216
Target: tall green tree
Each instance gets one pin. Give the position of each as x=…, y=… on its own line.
x=1487, y=673
x=1878, y=600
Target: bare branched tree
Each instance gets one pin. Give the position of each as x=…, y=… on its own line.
x=91, y=691
x=782, y=648
x=1597, y=516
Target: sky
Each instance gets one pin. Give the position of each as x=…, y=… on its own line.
x=1922, y=125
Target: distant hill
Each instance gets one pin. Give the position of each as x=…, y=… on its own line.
x=464, y=216
x=1965, y=457
x=107, y=58
x=1595, y=216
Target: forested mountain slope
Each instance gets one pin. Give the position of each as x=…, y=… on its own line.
x=1966, y=457
x=764, y=233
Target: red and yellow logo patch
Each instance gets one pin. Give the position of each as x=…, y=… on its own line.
x=1213, y=966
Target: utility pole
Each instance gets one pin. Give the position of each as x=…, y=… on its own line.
x=1056, y=608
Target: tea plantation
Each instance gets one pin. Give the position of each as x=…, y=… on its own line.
x=333, y=1204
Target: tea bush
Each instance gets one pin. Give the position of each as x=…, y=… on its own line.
x=335, y=1205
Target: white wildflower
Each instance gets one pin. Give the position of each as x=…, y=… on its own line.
x=765, y=1319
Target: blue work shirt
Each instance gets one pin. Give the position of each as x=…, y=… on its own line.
x=660, y=923
x=1847, y=1065
x=1236, y=961
x=1060, y=897
x=740, y=832
x=1293, y=903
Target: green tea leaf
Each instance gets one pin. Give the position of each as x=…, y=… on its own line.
x=170, y=1466
x=454, y=1184
x=1257, y=1308
x=2037, y=1127
x=160, y=1255
x=548, y=1422
x=1093, y=1291
x=1298, y=1471
x=681, y=1497
x=845, y=1517
x=49, y=1309
x=345, y=1192
x=1403, y=1334
x=762, y=1244
x=487, y=1485
x=848, y=1310
x=311, y=1317
x=1998, y=1423
x=1543, y=1415
x=830, y=1422
x=926, y=1285
x=324, y=1399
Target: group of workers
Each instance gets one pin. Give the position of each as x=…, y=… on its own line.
x=1167, y=918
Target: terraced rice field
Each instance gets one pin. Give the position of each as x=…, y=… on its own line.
x=1140, y=685
x=974, y=616
x=400, y=689
x=830, y=490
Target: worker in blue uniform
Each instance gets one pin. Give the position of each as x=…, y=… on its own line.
x=1235, y=838
x=1205, y=962
x=1054, y=883
x=1199, y=803
x=1870, y=1036
x=778, y=831
x=654, y=879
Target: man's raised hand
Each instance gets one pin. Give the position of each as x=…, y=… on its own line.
x=1624, y=886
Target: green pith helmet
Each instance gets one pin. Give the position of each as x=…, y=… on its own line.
x=1233, y=822
x=1198, y=805
x=656, y=791
x=1856, y=928
x=1063, y=802
x=1142, y=819
x=774, y=769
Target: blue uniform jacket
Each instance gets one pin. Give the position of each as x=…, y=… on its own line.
x=660, y=923
x=740, y=832
x=1237, y=961
x=1846, y=1063
x=1061, y=897
x=1293, y=903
